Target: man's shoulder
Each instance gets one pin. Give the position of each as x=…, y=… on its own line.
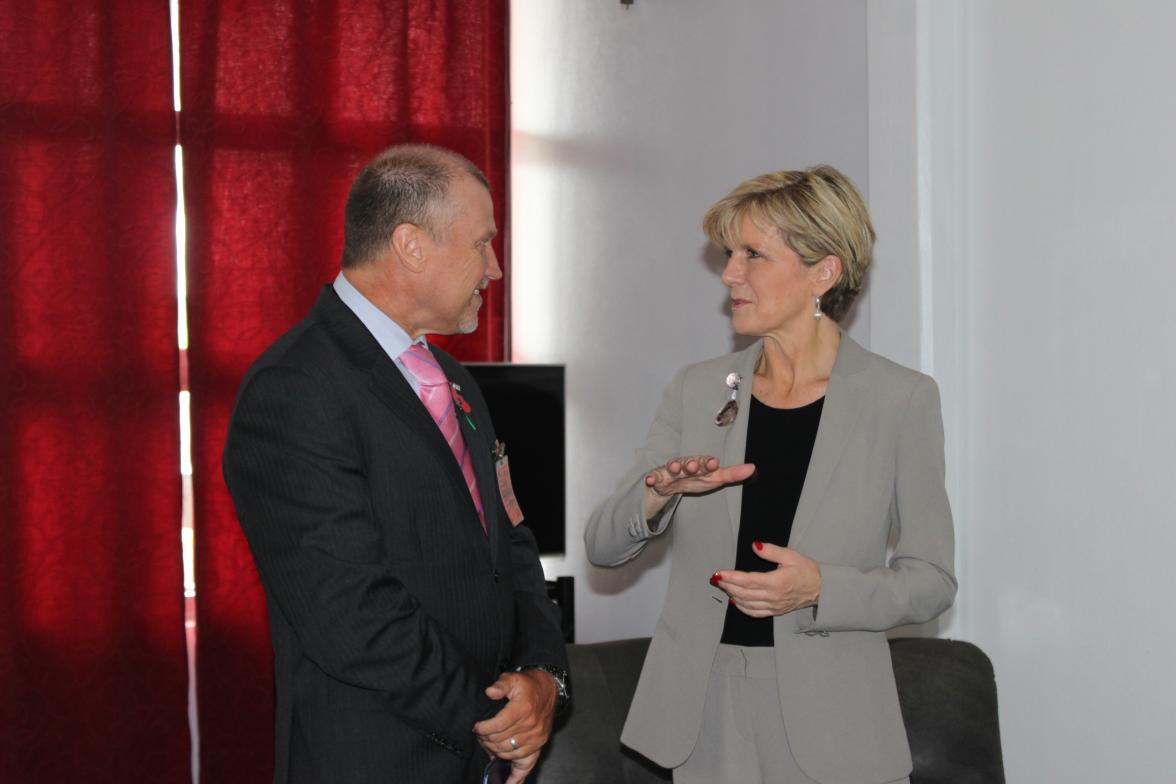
x=309, y=350
x=330, y=332
x=304, y=346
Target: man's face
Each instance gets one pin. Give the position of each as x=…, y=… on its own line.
x=461, y=260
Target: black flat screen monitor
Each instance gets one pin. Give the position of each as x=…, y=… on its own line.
x=527, y=405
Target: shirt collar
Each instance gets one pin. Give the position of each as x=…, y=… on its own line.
x=390, y=335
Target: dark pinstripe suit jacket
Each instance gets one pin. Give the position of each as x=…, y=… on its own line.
x=390, y=609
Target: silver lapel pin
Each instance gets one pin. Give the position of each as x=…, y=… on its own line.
x=730, y=409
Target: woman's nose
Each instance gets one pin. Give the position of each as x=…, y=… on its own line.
x=733, y=272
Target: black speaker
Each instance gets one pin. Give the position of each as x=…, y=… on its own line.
x=527, y=406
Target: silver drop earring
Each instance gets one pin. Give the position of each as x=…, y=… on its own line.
x=817, y=314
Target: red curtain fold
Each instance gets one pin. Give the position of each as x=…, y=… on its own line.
x=92, y=659
x=283, y=102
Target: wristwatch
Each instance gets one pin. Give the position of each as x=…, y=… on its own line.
x=560, y=676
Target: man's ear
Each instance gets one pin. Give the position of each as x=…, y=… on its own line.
x=826, y=273
x=408, y=246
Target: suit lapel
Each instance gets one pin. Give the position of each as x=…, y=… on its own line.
x=386, y=380
x=483, y=459
x=735, y=440
x=393, y=390
x=839, y=414
x=475, y=429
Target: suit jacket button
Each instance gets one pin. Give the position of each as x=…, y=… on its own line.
x=496, y=575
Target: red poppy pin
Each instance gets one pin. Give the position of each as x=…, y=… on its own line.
x=460, y=403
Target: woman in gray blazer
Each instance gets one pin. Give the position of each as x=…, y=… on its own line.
x=803, y=478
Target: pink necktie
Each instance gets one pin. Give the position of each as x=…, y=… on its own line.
x=435, y=394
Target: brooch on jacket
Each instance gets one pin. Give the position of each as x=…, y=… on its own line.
x=460, y=404
x=730, y=409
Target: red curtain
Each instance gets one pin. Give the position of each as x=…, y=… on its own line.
x=283, y=102
x=92, y=662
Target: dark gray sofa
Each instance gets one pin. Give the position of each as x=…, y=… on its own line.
x=946, y=689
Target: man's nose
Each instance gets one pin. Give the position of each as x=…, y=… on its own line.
x=493, y=271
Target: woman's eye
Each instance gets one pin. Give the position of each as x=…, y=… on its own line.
x=727, y=252
x=752, y=253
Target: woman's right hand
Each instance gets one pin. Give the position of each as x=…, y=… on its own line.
x=690, y=475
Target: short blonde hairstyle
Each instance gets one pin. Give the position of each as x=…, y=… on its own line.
x=817, y=211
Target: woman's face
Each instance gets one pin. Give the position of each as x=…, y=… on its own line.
x=771, y=288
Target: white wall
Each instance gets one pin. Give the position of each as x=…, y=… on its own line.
x=1070, y=208
x=1020, y=166
x=916, y=66
x=627, y=124
x=1045, y=182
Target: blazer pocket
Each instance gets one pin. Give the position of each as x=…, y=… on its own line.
x=343, y=697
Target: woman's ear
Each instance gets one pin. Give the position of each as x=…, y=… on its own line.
x=826, y=273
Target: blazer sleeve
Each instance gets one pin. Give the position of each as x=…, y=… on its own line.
x=293, y=465
x=617, y=531
x=538, y=636
x=919, y=581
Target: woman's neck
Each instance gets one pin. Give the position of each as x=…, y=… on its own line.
x=793, y=369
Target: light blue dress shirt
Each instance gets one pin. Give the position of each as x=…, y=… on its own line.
x=390, y=335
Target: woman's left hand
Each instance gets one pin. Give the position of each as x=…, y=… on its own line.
x=794, y=583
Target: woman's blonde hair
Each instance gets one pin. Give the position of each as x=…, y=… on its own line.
x=817, y=211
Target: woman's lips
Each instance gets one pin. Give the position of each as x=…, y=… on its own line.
x=736, y=302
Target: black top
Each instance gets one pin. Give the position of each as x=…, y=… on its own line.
x=779, y=444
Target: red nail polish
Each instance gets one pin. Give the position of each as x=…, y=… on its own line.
x=715, y=579
x=758, y=545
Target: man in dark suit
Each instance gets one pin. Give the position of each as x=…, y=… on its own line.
x=413, y=638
